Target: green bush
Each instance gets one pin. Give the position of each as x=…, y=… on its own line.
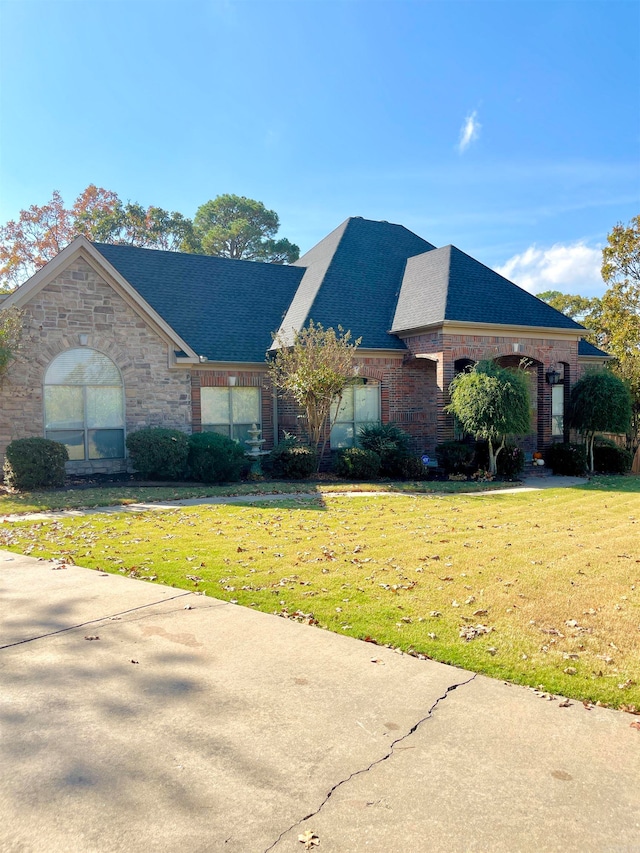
x=510, y=460
x=455, y=457
x=354, y=463
x=610, y=458
x=290, y=460
x=216, y=458
x=391, y=444
x=568, y=460
x=413, y=469
x=158, y=453
x=32, y=463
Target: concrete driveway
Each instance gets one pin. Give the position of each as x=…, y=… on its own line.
x=136, y=717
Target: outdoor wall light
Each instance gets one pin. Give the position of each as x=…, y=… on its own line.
x=233, y=380
x=202, y=359
x=84, y=340
x=553, y=376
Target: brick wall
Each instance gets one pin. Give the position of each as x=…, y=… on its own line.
x=78, y=302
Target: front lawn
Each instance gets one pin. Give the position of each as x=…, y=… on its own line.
x=123, y=495
x=553, y=576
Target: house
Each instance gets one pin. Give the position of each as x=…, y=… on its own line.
x=119, y=337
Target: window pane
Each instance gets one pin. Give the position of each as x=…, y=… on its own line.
x=342, y=435
x=63, y=407
x=106, y=444
x=345, y=413
x=82, y=367
x=557, y=410
x=104, y=407
x=241, y=434
x=214, y=404
x=73, y=440
x=223, y=429
x=367, y=403
x=245, y=405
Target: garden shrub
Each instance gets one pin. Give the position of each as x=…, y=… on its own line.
x=355, y=463
x=391, y=444
x=510, y=463
x=610, y=458
x=413, y=469
x=455, y=457
x=158, y=453
x=290, y=460
x=32, y=463
x=216, y=458
x=567, y=459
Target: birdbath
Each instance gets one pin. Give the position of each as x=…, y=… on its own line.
x=255, y=450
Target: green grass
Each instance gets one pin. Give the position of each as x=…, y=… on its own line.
x=84, y=498
x=554, y=575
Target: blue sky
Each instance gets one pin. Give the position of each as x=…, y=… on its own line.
x=510, y=129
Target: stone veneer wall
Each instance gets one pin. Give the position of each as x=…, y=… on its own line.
x=78, y=302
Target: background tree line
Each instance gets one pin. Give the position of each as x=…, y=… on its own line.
x=228, y=226
x=613, y=320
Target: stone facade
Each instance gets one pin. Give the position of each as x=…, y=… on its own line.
x=80, y=302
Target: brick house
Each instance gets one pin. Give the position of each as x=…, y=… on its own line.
x=118, y=337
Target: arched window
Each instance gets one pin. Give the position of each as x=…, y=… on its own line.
x=84, y=405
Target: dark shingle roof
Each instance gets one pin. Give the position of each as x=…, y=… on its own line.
x=587, y=349
x=447, y=284
x=224, y=309
x=352, y=279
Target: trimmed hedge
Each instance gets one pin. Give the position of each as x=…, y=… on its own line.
x=216, y=458
x=610, y=458
x=158, y=453
x=354, y=463
x=568, y=460
x=32, y=463
x=455, y=457
x=290, y=460
x=391, y=444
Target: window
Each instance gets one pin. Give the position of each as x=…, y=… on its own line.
x=557, y=409
x=230, y=411
x=360, y=405
x=84, y=405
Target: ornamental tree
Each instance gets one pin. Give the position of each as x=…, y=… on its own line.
x=599, y=402
x=313, y=370
x=491, y=402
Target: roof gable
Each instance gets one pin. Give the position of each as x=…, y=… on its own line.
x=352, y=279
x=449, y=285
x=226, y=309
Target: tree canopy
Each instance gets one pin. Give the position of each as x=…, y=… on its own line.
x=228, y=226
x=313, y=371
x=11, y=329
x=232, y=226
x=613, y=321
x=600, y=402
x=491, y=402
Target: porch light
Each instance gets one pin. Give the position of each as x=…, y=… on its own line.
x=232, y=381
x=553, y=376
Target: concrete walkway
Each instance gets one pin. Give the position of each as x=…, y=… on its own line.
x=530, y=484
x=137, y=718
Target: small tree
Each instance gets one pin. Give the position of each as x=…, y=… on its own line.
x=600, y=402
x=11, y=326
x=314, y=371
x=491, y=402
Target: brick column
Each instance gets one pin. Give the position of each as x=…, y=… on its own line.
x=444, y=376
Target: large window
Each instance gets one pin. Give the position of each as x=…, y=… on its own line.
x=230, y=411
x=84, y=405
x=360, y=405
x=557, y=410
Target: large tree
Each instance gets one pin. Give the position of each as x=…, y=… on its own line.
x=313, y=371
x=491, y=402
x=232, y=226
x=11, y=329
x=600, y=402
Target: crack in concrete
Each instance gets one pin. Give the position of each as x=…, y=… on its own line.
x=373, y=764
x=93, y=621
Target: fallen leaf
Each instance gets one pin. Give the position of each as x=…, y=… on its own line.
x=92, y=638
x=309, y=839
x=565, y=704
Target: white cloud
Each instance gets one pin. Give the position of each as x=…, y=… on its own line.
x=469, y=132
x=574, y=268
